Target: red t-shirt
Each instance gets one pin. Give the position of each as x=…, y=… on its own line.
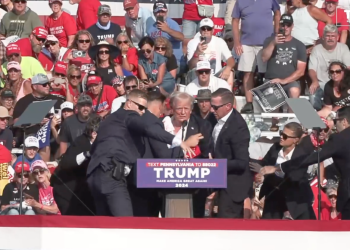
x=46, y=196
x=87, y=13
x=132, y=59
x=45, y=61
x=108, y=95
x=219, y=24
x=326, y=214
x=324, y=199
x=191, y=10
x=62, y=93
x=338, y=19
x=61, y=28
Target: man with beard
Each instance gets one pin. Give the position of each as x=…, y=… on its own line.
x=74, y=126
x=34, y=46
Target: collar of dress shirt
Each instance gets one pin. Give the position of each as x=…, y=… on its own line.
x=288, y=156
x=224, y=119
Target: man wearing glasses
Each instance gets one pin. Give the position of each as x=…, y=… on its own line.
x=20, y=21
x=231, y=141
x=115, y=150
x=338, y=148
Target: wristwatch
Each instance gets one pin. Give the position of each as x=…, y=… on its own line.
x=124, y=56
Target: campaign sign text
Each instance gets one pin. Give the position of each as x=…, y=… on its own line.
x=182, y=173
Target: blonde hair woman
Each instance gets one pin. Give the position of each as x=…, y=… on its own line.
x=128, y=57
x=46, y=204
x=164, y=47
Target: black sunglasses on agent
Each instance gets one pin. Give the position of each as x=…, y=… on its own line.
x=139, y=106
x=217, y=107
x=285, y=136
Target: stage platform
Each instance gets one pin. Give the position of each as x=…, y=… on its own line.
x=95, y=233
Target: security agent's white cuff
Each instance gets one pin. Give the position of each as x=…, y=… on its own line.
x=279, y=172
x=80, y=158
x=176, y=142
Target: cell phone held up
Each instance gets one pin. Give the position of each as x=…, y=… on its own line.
x=78, y=53
x=203, y=38
x=282, y=31
x=160, y=19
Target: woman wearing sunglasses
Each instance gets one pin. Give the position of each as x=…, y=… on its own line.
x=77, y=53
x=164, y=47
x=103, y=54
x=46, y=203
x=10, y=199
x=330, y=212
x=53, y=46
x=128, y=57
x=128, y=84
x=284, y=199
x=152, y=68
x=337, y=89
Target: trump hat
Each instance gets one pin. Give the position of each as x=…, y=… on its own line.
x=12, y=49
x=18, y=167
x=60, y=68
x=40, y=32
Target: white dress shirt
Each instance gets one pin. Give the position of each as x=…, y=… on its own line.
x=281, y=158
x=169, y=127
x=219, y=126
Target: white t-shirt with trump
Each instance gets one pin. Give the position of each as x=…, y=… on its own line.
x=214, y=84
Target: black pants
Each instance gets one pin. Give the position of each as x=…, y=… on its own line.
x=111, y=196
x=229, y=208
x=345, y=212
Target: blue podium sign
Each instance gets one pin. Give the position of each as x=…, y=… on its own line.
x=182, y=173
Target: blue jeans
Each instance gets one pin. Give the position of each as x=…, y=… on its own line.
x=316, y=99
x=190, y=28
x=15, y=211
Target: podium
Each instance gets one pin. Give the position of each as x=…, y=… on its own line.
x=179, y=178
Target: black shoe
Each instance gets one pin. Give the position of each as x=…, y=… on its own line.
x=248, y=108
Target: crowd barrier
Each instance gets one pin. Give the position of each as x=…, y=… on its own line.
x=85, y=233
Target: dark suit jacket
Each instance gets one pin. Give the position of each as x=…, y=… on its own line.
x=232, y=144
x=294, y=196
x=120, y=136
x=70, y=174
x=154, y=148
x=196, y=125
x=337, y=147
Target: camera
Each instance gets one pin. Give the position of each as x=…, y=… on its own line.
x=78, y=53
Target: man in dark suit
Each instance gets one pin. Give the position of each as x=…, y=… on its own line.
x=115, y=152
x=281, y=194
x=337, y=147
x=231, y=142
x=70, y=189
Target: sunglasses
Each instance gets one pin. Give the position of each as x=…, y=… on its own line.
x=47, y=45
x=206, y=28
x=59, y=75
x=229, y=40
x=41, y=171
x=84, y=41
x=332, y=196
x=14, y=54
x=45, y=84
x=325, y=130
x=25, y=175
x=159, y=48
x=217, y=107
x=43, y=40
x=125, y=42
x=337, y=71
x=285, y=136
x=20, y=1
x=144, y=51
x=139, y=106
x=75, y=77
x=201, y=72
x=131, y=87
x=286, y=25
x=103, y=52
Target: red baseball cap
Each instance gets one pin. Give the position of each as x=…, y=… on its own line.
x=93, y=80
x=12, y=49
x=40, y=32
x=18, y=167
x=129, y=4
x=60, y=68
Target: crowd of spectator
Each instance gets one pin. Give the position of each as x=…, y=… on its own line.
x=90, y=65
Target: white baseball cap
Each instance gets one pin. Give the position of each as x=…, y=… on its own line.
x=67, y=105
x=206, y=22
x=51, y=38
x=203, y=65
x=31, y=142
